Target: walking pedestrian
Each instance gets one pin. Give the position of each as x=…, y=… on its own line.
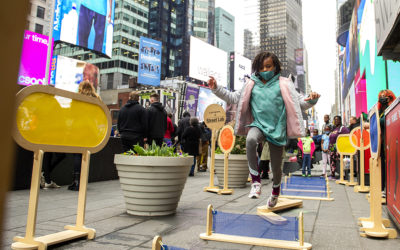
x=132, y=122
x=326, y=122
x=191, y=137
x=205, y=142
x=169, y=132
x=157, y=121
x=325, y=150
x=50, y=161
x=85, y=88
x=307, y=146
x=182, y=125
x=266, y=91
x=334, y=156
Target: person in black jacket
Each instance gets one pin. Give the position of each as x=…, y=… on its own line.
x=157, y=120
x=132, y=122
x=182, y=125
x=191, y=137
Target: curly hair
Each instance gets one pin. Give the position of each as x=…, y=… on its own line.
x=258, y=62
x=387, y=93
x=86, y=88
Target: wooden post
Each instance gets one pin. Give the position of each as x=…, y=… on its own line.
x=341, y=180
x=351, y=182
x=156, y=245
x=209, y=220
x=226, y=175
x=34, y=195
x=301, y=229
x=362, y=188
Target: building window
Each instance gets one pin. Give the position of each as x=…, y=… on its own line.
x=39, y=28
x=40, y=12
x=110, y=81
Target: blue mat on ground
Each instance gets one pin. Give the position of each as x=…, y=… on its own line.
x=254, y=226
x=165, y=247
x=304, y=193
x=302, y=187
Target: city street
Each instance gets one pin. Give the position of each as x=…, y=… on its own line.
x=327, y=225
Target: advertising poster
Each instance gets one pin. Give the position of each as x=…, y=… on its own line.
x=191, y=100
x=149, y=61
x=392, y=162
x=206, y=97
x=67, y=73
x=32, y=69
x=85, y=23
x=207, y=60
x=169, y=102
x=241, y=68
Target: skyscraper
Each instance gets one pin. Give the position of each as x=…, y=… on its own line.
x=39, y=16
x=171, y=22
x=251, y=44
x=281, y=30
x=131, y=22
x=204, y=18
x=224, y=30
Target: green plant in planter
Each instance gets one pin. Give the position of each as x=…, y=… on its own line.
x=238, y=149
x=155, y=150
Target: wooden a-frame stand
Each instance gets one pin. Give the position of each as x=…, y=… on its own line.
x=209, y=235
x=375, y=225
x=72, y=232
x=344, y=147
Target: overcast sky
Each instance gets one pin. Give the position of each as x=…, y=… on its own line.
x=319, y=33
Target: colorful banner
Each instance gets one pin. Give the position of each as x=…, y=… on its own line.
x=32, y=69
x=191, y=100
x=67, y=73
x=393, y=167
x=85, y=23
x=149, y=61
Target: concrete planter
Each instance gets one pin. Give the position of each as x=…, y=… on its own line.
x=152, y=185
x=238, y=171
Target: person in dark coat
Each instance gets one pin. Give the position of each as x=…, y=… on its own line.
x=132, y=122
x=191, y=137
x=157, y=121
x=182, y=125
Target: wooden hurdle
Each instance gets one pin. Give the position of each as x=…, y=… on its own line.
x=209, y=235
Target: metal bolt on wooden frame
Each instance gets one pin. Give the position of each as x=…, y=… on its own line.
x=209, y=235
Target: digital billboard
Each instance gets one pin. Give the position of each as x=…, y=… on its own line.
x=191, y=100
x=207, y=60
x=240, y=67
x=67, y=73
x=32, y=69
x=149, y=61
x=85, y=23
x=206, y=97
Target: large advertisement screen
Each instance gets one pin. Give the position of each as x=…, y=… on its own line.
x=206, y=97
x=207, y=60
x=85, y=23
x=191, y=100
x=32, y=69
x=67, y=73
x=149, y=61
x=241, y=67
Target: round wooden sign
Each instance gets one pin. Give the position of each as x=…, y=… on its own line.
x=214, y=116
x=355, y=138
x=375, y=132
x=226, y=139
x=344, y=146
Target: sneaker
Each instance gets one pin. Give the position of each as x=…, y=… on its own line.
x=309, y=175
x=42, y=182
x=255, y=190
x=303, y=175
x=52, y=184
x=272, y=201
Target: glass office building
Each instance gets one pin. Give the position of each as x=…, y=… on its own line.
x=224, y=30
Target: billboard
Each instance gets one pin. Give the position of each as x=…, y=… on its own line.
x=149, y=61
x=191, y=100
x=207, y=60
x=32, y=69
x=67, y=73
x=239, y=68
x=85, y=23
x=206, y=97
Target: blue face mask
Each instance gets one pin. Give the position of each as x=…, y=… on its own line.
x=327, y=132
x=267, y=75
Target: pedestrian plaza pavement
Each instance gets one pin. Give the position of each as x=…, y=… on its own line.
x=327, y=224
